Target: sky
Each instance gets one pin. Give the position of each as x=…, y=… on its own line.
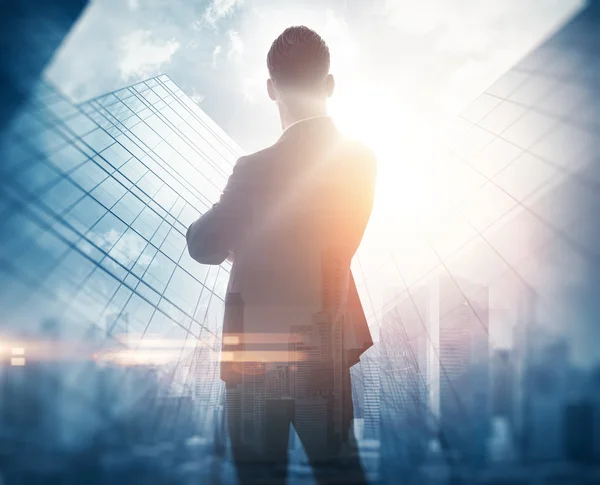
x=404, y=69
x=408, y=64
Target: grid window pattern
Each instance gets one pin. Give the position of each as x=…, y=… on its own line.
x=524, y=149
x=96, y=200
x=521, y=221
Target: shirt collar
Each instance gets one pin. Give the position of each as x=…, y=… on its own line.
x=306, y=119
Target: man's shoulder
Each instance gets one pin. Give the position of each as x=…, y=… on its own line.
x=357, y=149
x=356, y=154
x=254, y=161
x=347, y=149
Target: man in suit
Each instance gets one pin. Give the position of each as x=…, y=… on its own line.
x=290, y=219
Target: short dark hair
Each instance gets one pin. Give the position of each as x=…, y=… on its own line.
x=298, y=58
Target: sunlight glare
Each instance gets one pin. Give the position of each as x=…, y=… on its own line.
x=411, y=190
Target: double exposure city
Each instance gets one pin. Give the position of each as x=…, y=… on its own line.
x=161, y=219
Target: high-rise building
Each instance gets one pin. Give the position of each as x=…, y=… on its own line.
x=95, y=200
x=405, y=381
x=371, y=370
x=528, y=147
x=502, y=376
x=304, y=355
x=463, y=358
x=253, y=403
x=277, y=382
x=207, y=390
x=526, y=150
x=435, y=373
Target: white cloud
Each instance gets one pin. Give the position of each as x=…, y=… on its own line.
x=127, y=248
x=219, y=9
x=475, y=26
x=192, y=44
x=215, y=55
x=141, y=56
x=107, y=239
x=419, y=18
x=254, y=86
x=197, y=24
x=196, y=97
x=133, y=4
x=236, y=45
x=341, y=41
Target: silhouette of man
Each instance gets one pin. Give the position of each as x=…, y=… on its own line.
x=290, y=219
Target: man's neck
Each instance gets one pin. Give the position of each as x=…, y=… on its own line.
x=289, y=117
x=286, y=126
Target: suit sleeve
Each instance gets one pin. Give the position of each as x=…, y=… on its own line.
x=211, y=237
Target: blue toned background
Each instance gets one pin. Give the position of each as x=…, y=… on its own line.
x=480, y=286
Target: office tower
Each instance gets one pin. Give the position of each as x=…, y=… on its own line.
x=95, y=201
x=253, y=403
x=405, y=405
x=435, y=375
x=542, y=367
x=371, y=369
x=548, y=400
x=523, y=339
x=464, y=366
x=502, y=376
x=30, y=33
x=206, y=376
x=541, y=392
x=304, y=357
x=278, y=382
x=233, y=408
x=403, y=353
x=528, y=146
x=207, y=386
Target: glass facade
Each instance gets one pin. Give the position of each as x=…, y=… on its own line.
x=521, y=200
x=111, y=334
x=95, y=201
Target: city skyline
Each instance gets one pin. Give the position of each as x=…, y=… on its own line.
x=485, y=359
x=96, y=199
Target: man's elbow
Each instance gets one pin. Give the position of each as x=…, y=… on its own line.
x=208, y=258
x=206, y=255
x=200, y=249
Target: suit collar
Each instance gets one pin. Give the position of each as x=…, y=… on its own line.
x=307, y=125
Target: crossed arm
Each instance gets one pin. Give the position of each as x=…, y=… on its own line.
x=210, y=238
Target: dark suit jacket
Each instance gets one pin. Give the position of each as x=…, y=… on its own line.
x=292, y=216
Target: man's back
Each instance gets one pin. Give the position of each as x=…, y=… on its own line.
x=292, y=216
x=296, y=213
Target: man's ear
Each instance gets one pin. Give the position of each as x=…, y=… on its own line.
x=271, y=90
x=329, y=85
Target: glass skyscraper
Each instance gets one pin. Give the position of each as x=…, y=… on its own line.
x=110, y=332
x=96, y=283
x=522, y=225
x=532, y=139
